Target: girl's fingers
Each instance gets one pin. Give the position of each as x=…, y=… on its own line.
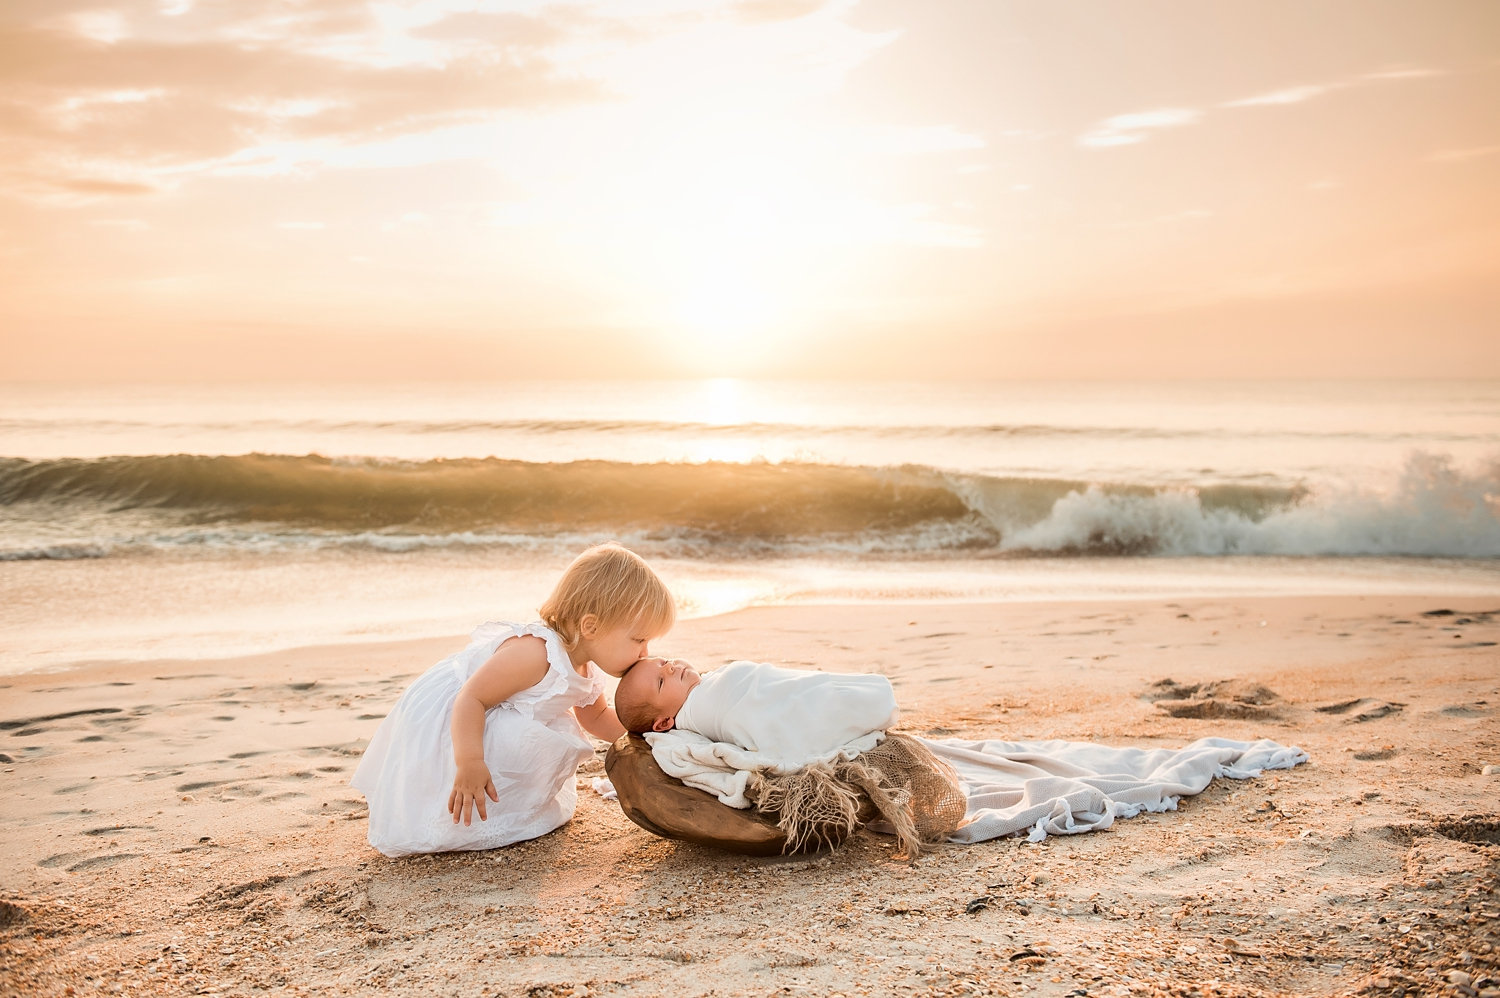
x=463, y=803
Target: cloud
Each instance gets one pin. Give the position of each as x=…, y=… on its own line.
x=141, y=104
x=772, y=11
x=1298, y=94
x=1463, y=155
x=1128, y=129
x=1415, y=73
x=80, y=185
x=500, y=28
x=1291, y=95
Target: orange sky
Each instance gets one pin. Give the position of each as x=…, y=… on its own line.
x=216, y=189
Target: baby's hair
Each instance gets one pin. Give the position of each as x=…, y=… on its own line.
x=616, y=586
x=635, y=713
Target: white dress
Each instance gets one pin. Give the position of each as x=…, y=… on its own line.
x=532, y=746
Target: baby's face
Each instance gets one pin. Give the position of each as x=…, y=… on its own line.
x=661, y=683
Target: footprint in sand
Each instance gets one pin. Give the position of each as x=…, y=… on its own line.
x=350, y=750
x=187, y=788
x=13, y=914
x=98, y=861
x=338, y=806
x=1209, y=709
x=75, y=861
x=116, y=829
x=1368, y=710
x=1482, y=829
x=60, y=859
x=1465, y=710
x=1375, y=755
x=28, y=722
x=1227, y=698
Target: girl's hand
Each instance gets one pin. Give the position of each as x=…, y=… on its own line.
x=470, y=787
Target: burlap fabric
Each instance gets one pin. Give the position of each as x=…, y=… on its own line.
x=898, y=782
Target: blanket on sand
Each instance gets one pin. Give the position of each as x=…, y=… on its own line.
x=1047, y=787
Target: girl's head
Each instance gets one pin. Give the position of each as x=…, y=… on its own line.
x=607, y=589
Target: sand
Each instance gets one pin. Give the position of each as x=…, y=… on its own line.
x=182, y=827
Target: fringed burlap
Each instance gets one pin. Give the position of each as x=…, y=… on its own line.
x=898, y=781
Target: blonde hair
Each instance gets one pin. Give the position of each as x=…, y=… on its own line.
x=616, y=586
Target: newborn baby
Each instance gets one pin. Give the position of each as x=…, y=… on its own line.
x=747, y=704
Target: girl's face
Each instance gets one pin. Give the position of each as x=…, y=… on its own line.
x=614, y=650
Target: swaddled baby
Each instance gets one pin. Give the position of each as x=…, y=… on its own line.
x=811, y=747
x=794, y=715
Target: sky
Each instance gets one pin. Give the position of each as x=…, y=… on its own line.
x=216, y=190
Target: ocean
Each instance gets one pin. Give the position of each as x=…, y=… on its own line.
x=147, y=521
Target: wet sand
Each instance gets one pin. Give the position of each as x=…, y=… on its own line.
x=187, y=826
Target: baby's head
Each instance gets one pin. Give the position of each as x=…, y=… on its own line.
x=652, y=692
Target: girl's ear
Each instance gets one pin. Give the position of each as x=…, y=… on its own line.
x=664, y=723
x=588, y=626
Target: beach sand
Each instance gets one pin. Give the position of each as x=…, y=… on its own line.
x=187, y=826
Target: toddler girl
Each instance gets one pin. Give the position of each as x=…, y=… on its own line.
x=493, y=721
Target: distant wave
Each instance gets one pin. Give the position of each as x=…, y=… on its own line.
x=266, y=501
x=606, y=428
x=56, y=552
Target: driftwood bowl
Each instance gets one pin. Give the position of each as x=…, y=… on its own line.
x=667, y=807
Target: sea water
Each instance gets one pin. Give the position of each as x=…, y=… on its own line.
x=148, y=521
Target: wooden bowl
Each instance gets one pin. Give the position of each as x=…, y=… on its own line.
x=665, y=806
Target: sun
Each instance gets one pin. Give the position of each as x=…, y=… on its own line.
x=723, y=309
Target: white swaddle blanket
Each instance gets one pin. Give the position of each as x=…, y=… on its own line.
x=749, y=717
x=762, y=718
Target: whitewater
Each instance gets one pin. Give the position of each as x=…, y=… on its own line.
x=281, y=514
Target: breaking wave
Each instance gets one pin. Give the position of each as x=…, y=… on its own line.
x=91, y=508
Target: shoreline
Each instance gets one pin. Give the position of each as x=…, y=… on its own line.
x=199, y=610
x=182, y=824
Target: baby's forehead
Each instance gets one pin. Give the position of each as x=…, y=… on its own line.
x=645, y=669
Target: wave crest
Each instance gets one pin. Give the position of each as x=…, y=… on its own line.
x=1435, y=511
x=79, y=508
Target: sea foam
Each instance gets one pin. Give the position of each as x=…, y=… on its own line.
x=1435, y=510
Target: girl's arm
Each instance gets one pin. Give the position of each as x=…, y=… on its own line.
x=518, y=664
x=598, y=719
